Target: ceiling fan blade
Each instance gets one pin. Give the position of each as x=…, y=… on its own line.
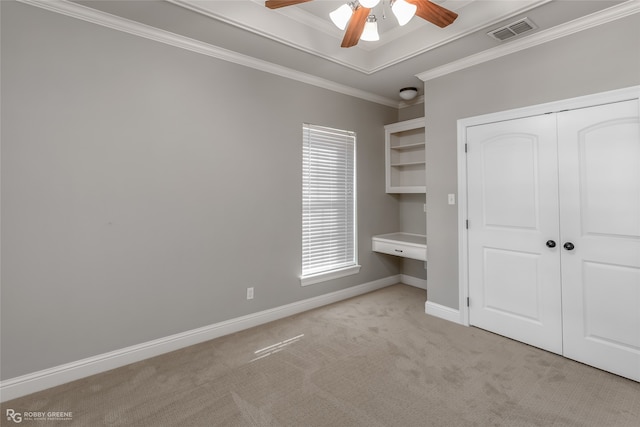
x=275, y=4
x=434, y=13
x=356, y=26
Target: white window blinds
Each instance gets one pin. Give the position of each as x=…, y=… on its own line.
x=328, y=200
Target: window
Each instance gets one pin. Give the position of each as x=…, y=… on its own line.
x=328, y=204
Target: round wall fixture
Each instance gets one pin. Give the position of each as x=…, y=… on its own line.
x=408, y=93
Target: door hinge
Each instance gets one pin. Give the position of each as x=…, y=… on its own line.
x=466, y=147
x=467, y=224
x=468, y=302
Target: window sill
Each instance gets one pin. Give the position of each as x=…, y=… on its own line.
x=329, y=275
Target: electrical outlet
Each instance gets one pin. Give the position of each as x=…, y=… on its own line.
x=452, y=199
x=249, y=293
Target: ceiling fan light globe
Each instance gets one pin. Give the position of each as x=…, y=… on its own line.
x=370, y=32
x=341, y=16
x=403, y=11
x=368, y=3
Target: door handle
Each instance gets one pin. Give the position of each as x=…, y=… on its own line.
x=569, y=246
x=551, y=244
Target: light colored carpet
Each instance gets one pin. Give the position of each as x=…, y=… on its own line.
x=374, y=360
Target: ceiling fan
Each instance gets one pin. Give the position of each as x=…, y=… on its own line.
x=359, y=16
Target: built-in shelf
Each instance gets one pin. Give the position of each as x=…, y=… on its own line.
x=400, y=165
x=417, y=145
x=407, y=245
x=405, y=160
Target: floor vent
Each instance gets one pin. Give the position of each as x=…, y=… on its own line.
x=514, y=29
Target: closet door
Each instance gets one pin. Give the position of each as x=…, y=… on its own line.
x=514, y=266
x=599, y=156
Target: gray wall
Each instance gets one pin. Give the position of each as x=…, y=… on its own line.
x=412, y=220
x=145, y=187
x=595, y=60
x=412, y=111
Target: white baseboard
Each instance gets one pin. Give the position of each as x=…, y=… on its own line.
x=413, y=281
x=47, y=378
x=443, y=312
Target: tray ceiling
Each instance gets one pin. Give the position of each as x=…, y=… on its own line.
x=307, y=27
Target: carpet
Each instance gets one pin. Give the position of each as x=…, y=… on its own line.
x=373, y=360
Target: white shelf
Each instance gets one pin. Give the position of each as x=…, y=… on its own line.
x=406, y=245
x=400, y=165
x=416, y=145
x=405, y=158
x=408, y=189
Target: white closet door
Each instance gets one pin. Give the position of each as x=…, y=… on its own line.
x=599, y=156
x=514, y=277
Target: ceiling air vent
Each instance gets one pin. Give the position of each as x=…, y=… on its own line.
x=512, y=30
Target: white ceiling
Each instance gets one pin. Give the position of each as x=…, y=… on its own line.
x=302, y=39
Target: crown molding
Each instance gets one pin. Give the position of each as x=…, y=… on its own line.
x=104, y=19
x=78, y=11
x=613, y=13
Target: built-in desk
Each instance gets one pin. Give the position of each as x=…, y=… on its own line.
x=406, y=245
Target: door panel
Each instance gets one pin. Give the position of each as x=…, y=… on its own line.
x=599, y=156
x=514, y=279
x=518, y=298
x=611, y=295
x=521, y=170
x=609, y=156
